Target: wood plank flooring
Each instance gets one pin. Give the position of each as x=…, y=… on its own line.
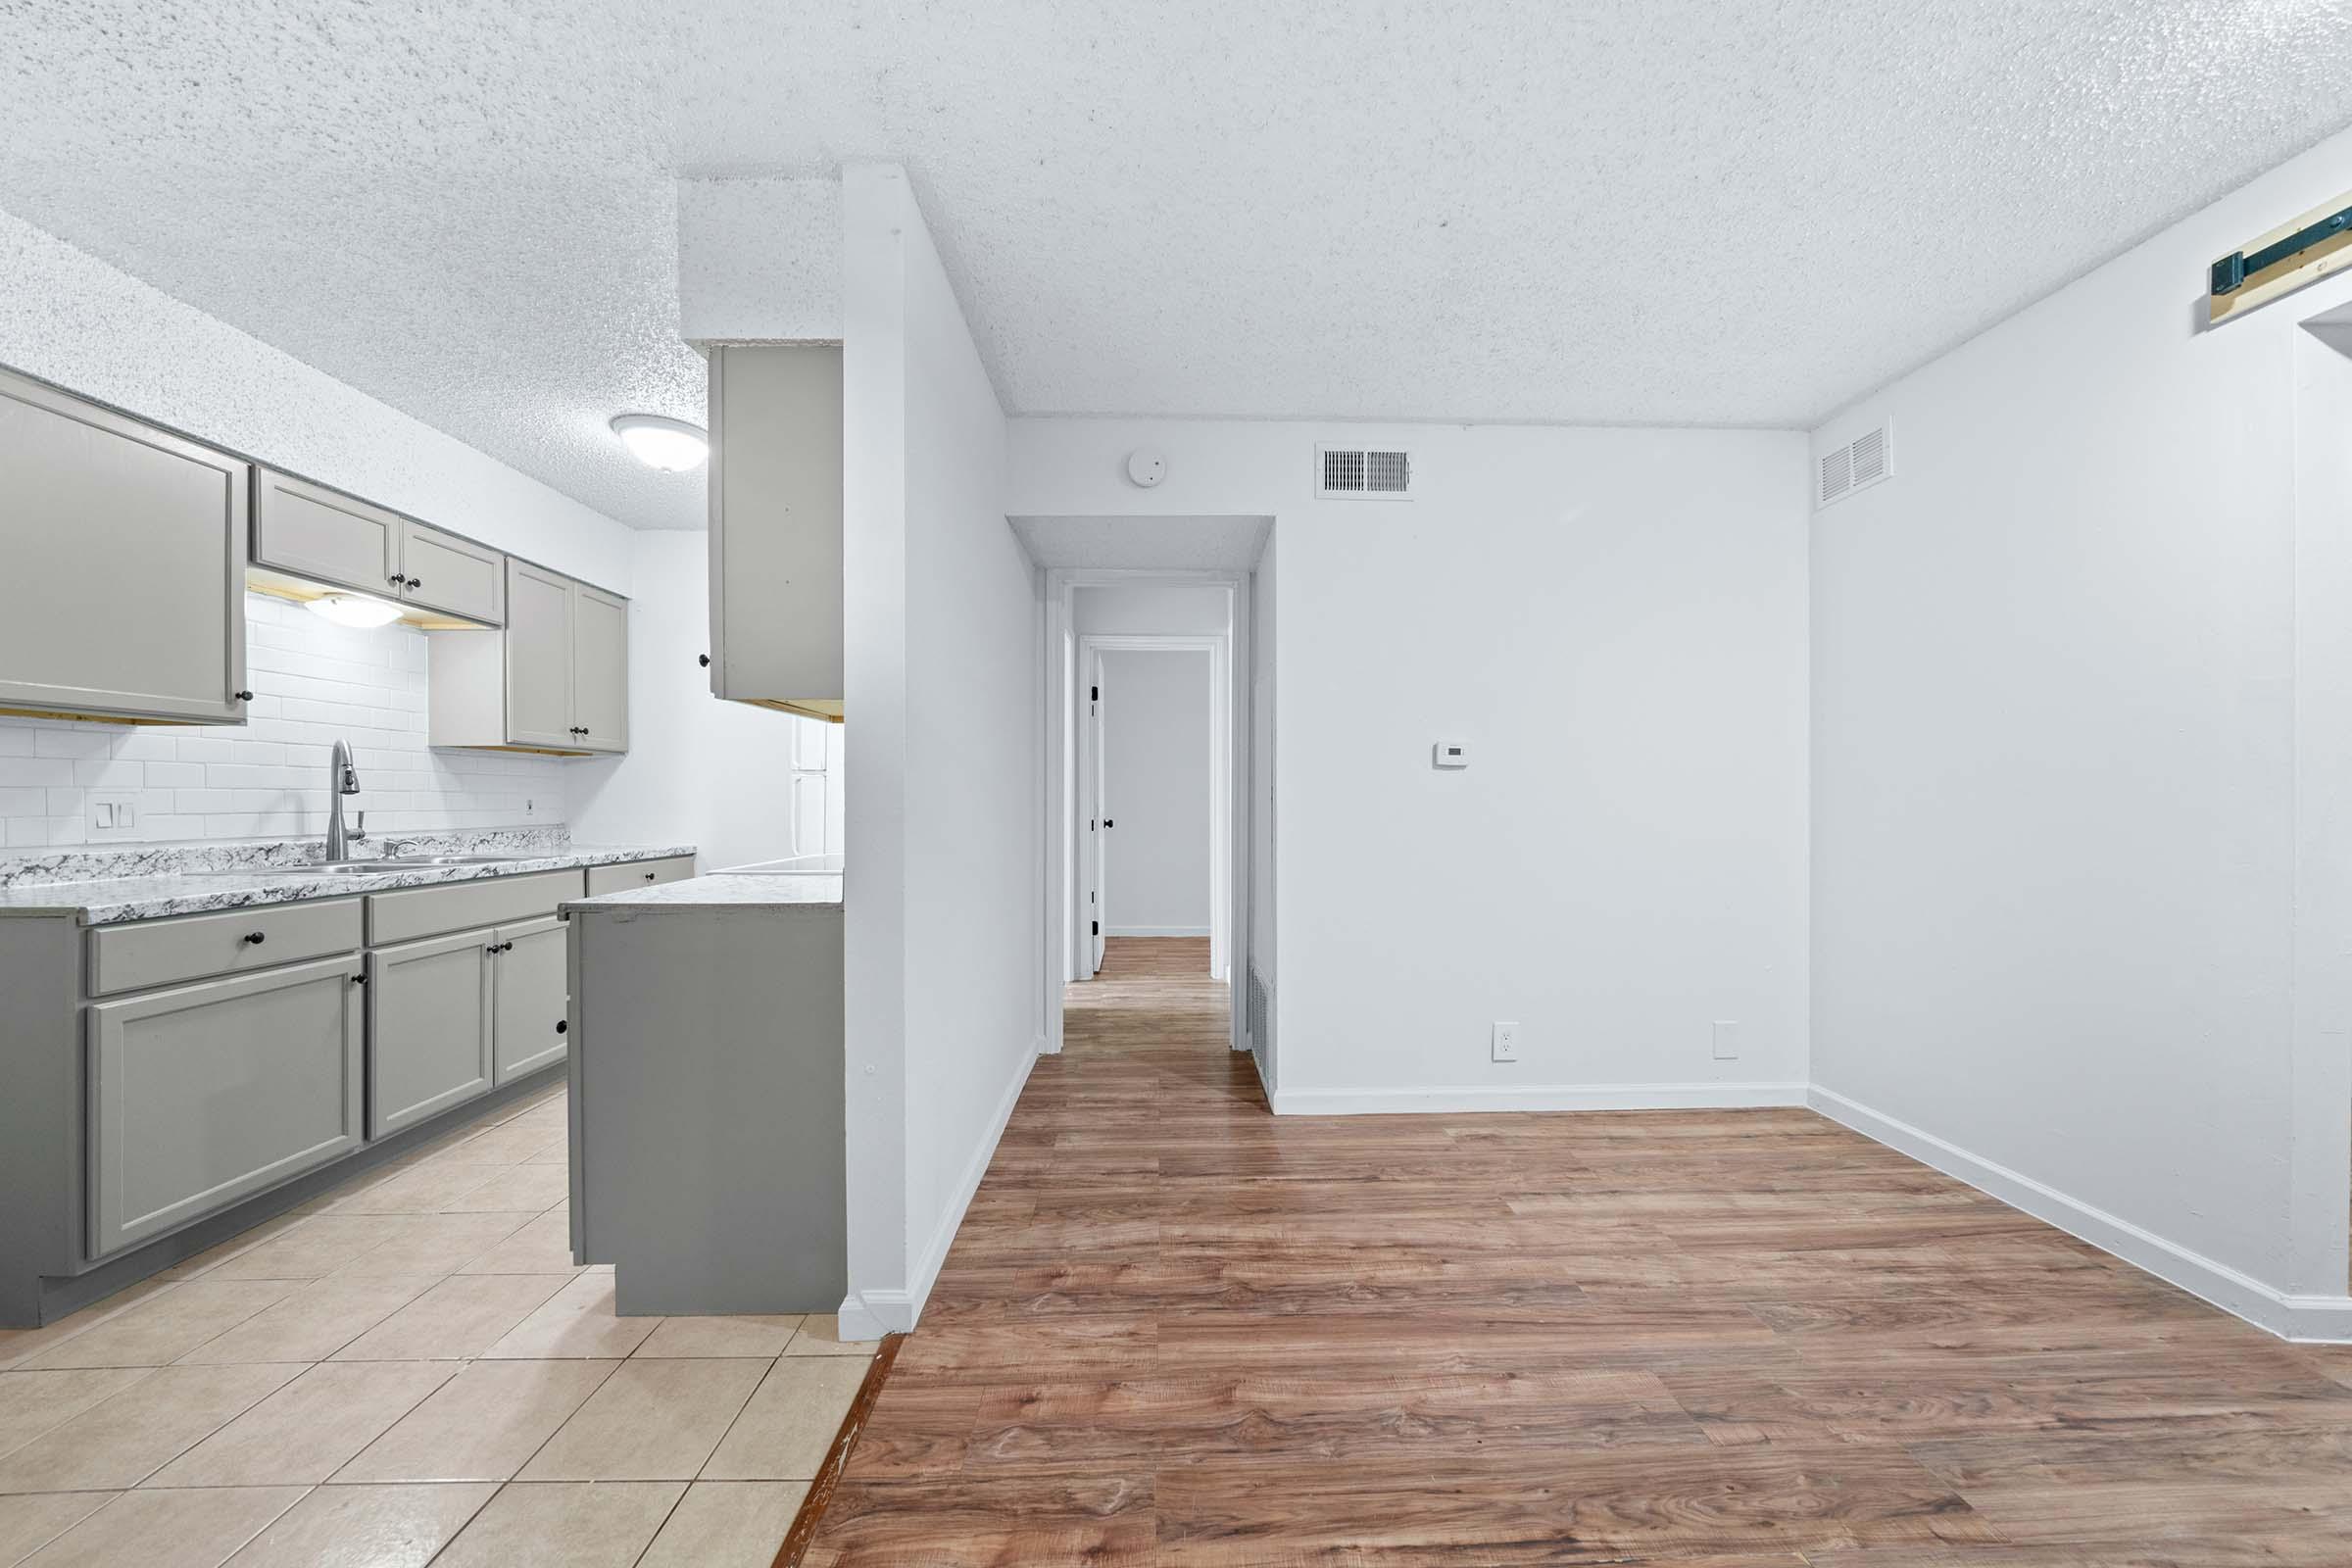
x=1178, y=1330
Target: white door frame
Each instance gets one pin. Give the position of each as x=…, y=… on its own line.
x=1092, y=645
x=1229, y=768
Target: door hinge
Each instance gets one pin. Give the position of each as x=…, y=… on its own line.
x=1097, y=928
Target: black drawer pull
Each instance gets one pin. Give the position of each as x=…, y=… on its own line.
x=257, y=938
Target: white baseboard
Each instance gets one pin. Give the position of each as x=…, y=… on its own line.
x=1534, y=1097
x=2308, y=1318
x=869, y=1315
x=1155, y=930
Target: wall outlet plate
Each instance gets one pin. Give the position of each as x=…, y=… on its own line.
x=1726, y=1040
x=1507, y=1042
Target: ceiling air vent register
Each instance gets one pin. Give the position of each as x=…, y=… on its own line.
x=1359, y=473
x=1857, y=465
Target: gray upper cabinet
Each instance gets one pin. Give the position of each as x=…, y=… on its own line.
x=555, y=679
x=309, y=531
x=123, y=593
x=318, y=537
x=429, y=1028
x=203, y=1094
x=442, y=571
x=776, y=526
x=538, y=656
x=600, y=669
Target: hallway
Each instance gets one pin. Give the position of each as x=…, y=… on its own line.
x=1176, y=1329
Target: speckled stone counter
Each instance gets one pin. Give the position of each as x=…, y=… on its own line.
x=146, y=882
x=720, y=888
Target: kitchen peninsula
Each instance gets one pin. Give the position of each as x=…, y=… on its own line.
x=707, y=1092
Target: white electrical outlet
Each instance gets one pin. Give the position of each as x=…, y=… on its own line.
x=1726, y=1040
x=1507, y=1042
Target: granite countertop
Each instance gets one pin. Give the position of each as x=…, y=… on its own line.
x=734, y=888
x=160, y=890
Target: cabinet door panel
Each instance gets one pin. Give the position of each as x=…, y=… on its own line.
x=315, y=532
x=600, y=669
x=100, y=512
x=538, y=655
x=531, y=1029
x=429, y=1028
x=204, y=1094
x=446, y=572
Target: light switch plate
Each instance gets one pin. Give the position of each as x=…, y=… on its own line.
x=1726, y=1040
x=115, y=815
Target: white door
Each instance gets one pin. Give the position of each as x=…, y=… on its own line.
x=1097, y=838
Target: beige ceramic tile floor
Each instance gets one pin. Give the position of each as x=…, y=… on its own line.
x=408, y=1370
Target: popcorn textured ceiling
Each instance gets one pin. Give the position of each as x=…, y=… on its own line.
x=1687, y=212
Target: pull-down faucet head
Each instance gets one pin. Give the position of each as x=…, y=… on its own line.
x=341, y=779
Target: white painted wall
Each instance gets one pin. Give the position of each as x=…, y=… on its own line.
x=1615, y=619
x=2080, y=870
x=70, y=318
x=1153, y=608
x=944, y=912
x=1155, y=787
x=740, y=783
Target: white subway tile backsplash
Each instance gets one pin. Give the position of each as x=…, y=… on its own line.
x=313, y=683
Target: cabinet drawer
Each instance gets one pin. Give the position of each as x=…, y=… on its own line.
x=412, y=913
x=638, y=874
x=192, y=947
x=202, y=1094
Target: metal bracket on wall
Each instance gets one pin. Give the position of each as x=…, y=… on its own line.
x=2298, y=252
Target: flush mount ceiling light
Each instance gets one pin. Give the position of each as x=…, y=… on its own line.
x=671, y=445
x=353, y=610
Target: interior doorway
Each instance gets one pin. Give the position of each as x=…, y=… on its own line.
x=1152, y=792
x=1200, y=619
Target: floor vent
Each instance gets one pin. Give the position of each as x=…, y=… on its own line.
x=1359, y=473
x=1857, y=465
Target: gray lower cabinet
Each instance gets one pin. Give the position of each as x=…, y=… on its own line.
x=428, y=1027
x=531, y=998
x=202, y=1094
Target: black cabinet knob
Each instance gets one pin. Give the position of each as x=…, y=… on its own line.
x=396, y=580
x=1106, y=822
x=649, y=876
x=562, y=1026
x=242, y=696
x=415, y=583
x=257, y=938
x=703, y=660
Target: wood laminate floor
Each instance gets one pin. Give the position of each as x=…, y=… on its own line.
x=1176, y=1329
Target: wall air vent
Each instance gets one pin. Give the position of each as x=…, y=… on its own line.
x=1356, y=473
x=1857, y=465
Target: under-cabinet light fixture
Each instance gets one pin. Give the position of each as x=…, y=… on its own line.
x=353, y=610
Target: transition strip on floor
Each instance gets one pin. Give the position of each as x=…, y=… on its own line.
x=837, y=1457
